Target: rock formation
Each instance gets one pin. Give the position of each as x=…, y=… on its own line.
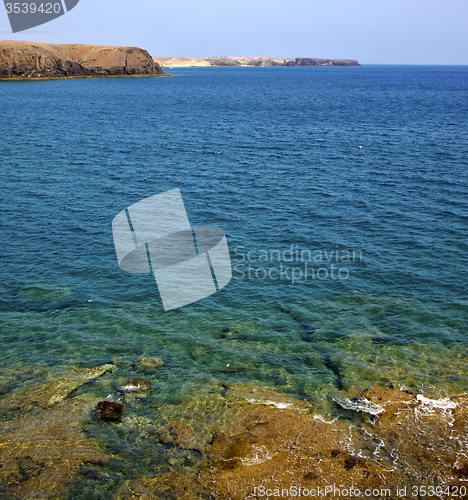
x=266, y=445
x=231, y=441
x=109, y=410
x=42, y=445
x=44, y=60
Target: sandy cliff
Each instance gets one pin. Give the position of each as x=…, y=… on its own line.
x=251, y=61
x=44, y=60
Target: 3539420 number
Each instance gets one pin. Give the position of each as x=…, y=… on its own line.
x=431, y=491
x=33, y=8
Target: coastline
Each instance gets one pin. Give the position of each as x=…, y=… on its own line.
x=20, y=60
x=230, y=441
x=242, y=61
x=275, y=383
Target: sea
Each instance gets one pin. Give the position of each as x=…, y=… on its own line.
x=343, y=194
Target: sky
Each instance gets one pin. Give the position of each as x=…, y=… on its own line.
x=371, y=31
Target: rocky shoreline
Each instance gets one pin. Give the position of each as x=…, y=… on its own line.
x=232, y=441
x=28, y=60
x=174, y=62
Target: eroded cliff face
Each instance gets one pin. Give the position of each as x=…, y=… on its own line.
x=43, y=60
x=112, y=60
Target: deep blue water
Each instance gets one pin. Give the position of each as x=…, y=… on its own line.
x=370, y=159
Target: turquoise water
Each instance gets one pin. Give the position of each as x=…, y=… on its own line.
x=369, y=160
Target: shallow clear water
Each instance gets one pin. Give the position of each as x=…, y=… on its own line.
x=370, y=160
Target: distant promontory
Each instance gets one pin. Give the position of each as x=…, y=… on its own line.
x=174, y=62
x=29, y=60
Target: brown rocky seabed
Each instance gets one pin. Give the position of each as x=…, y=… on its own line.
x=242, y=436
x=28, y=60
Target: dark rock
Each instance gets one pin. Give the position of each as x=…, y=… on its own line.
x=461, y=470
x=110, y=410
x=28, y=467
x=116, y=465
x=350, y=462
x=90, y=473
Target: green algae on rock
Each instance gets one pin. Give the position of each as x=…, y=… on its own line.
x=47, y=293
x=56, y=387
x=42, y=445
x=222, y=443
x=279, y=446
x=148, y=365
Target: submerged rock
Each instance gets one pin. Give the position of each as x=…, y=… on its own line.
x=135, y=388
x=109, y=410
x=179, y=433
x=223, y=444
x=267, y=441
x=57, y=386
x=45, y=292
x=148, y=365
x=136, y=385
x=122, y=361
x=42, y=442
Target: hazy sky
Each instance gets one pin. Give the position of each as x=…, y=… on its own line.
x=372, y=31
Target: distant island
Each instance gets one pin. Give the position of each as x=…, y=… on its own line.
x=29, y=60
x=173, y=62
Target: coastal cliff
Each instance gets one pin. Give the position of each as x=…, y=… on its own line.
x=44, y=60
x=250, y=61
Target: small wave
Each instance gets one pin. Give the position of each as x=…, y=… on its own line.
x=443, y=404
x=322, y=419
x=359, y=404
x=281, y=405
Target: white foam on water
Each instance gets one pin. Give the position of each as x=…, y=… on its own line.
x=322, y=419
x=361, y=404
x=431, y=406
x=130, y=388
x=259, y=455
x=444, y=404
x=281, y=405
